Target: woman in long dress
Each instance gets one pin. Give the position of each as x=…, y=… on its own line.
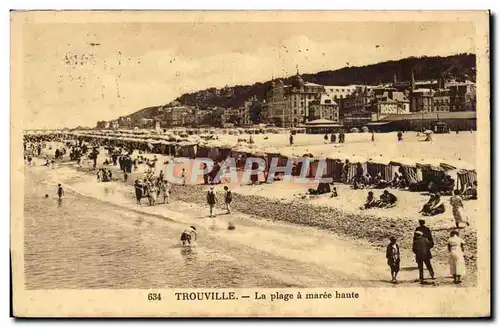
x=457, y=261
x=458, y=209
x=152, y=195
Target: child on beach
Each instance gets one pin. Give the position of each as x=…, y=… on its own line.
x=187, y=235
x=393, y=258
x=228, y=199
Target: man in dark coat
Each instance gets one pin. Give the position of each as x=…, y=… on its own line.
x=422, y=250
x=426, y=231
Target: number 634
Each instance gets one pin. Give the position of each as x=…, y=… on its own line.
x=154, y=296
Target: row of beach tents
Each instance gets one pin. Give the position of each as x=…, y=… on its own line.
x=414, y=170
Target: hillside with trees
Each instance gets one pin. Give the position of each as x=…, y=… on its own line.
x=460, y=67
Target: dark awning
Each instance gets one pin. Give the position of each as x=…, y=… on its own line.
x=378, y=123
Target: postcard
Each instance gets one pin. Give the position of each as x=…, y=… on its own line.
x=250, y=164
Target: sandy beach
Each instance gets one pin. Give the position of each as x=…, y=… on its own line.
x=280, y=203
x=452, y=147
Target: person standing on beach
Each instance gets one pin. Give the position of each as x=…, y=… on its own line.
x=345, y=172
x=205, y=174
x=138, y=191
x=457, y=261
x=211, y=200
x=393, y=258
x=183, y=176
x=291, y=139
x=60, y=192
x=152, y=195
x=166, y=192
x=426, y=231
x=228, y=199
x=422, y=249
x=333, y=138
x=373, y=136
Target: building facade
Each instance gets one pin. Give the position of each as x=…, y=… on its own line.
x=392, y=102
x=179, y=116
x=462, y=96
x=288, y=105
x=441, y=100
x=324, y=108
x=421, y=100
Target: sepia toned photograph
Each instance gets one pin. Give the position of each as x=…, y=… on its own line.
x=250, y=164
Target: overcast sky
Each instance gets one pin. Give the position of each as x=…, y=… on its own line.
x=121, y=68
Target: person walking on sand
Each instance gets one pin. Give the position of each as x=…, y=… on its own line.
x=422, y=250
x=393, y=258
x=457, y=261
x=373, y=136
x=291, y=139
x=458, y=209
x=228, y=198
x=211, y=200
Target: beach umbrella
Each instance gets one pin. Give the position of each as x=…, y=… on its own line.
x=354, y=130
x=428, y=132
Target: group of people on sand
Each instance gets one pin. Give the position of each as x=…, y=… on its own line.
x=436, y=206
x=433, y=207
x=152, y=187
x=421, y=247
x=212, y=199
x=386, y=200
x=360, y=180
x=333, y=137
x=104, y=175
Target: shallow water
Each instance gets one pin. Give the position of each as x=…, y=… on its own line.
x=84, y=243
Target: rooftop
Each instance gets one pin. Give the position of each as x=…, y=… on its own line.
x=432, y=116
x=320, y=122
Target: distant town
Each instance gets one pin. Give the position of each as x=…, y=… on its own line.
x=399, y=105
